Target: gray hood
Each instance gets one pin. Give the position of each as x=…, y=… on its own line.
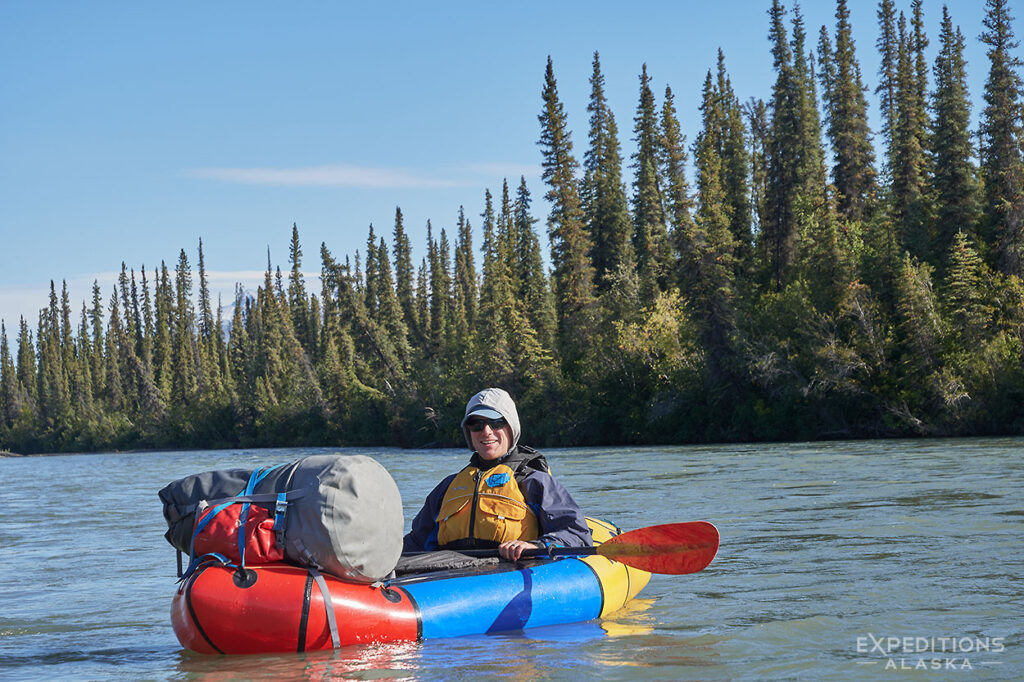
x=500, y=401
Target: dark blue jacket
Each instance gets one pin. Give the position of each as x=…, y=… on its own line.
x=561, y=521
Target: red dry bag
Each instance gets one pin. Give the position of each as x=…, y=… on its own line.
x=220, y=535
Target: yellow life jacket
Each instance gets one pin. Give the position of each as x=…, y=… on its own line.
x=485, y=508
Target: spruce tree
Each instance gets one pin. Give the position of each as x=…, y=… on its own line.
x=920, y=44
x=673, y=160
x=183, y=343
x=847, y=121
x=496, y=300
x=209, y=380
x=136, y=314
x=8, y=384
x=390, y=319
x=888, y=49
x=163, y=334
x=132, y=379
x=1002, y=165
x=131, y=325
x=510, y=322
x=954, y=184
x=708, y=259
x=221, y=351
x=811, y=155
x=370, y=289
x=239, y=347
x=826, y=73
x=67, y=344
x=423, y=296
x=53, y=395
x=146, y=352
x=205, y=331
x=96, y=364
x=357, y=276
x=445, y=253
x=650, y=235
x=440, y=289
x=603, y=191
x=26, y=364
x=505, y=334
x=507, y=237
x=69, y=362
x=269, y=359
x=298, y=299
x=570, y=244
x=536, y=289
x=964, y=293
x=794, y=192
x=779, y=230
x=732, y=149
x=919, y=328
x=83, y=397
x=114, y=396
x=143, y=399
x=374, y=357
x=287, y=396
x=404, y=275
x=279, y=284
x=466, y=295
x=908, y=156
x=756, y=112
x=489, y=250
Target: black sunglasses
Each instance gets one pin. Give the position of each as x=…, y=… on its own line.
x=477, y=425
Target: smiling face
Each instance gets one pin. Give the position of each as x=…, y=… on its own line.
x=491, y=444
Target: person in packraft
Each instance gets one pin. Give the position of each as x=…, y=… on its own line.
x=505, y=498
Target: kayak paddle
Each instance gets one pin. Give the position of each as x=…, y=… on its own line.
x=670, y=548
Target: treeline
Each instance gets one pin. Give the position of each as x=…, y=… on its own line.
x=797, y=288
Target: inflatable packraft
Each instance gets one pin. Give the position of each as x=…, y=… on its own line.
x=279, y=607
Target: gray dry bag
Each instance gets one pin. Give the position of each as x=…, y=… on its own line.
x=341, y=514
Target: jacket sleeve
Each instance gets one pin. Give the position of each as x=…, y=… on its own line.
x=562, y=523
x=423, y=535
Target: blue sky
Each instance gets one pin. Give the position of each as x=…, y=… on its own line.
x=130, y=130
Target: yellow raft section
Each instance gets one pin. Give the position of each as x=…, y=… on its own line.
x=619, y=582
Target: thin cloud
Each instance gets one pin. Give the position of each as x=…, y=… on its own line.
x=336, y=175
x=365, y=177
x=509, y=171
x=226, y=279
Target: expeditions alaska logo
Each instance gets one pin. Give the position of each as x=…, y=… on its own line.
x=930, y=653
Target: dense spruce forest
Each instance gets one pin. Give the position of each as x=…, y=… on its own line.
x=786, y=274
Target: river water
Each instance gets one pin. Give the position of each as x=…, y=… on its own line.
x=846, y=560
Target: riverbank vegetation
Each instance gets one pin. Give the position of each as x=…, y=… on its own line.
x=783, y=275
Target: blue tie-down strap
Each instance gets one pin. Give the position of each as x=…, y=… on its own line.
x=203, y=522
x=254, y=480
x=202, y=559
x=243, y=516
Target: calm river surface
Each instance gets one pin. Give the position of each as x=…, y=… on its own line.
x=846, y=560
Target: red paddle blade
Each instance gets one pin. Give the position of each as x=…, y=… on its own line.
x=671, y=548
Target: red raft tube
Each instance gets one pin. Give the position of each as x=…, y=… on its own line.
x=280, y=607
